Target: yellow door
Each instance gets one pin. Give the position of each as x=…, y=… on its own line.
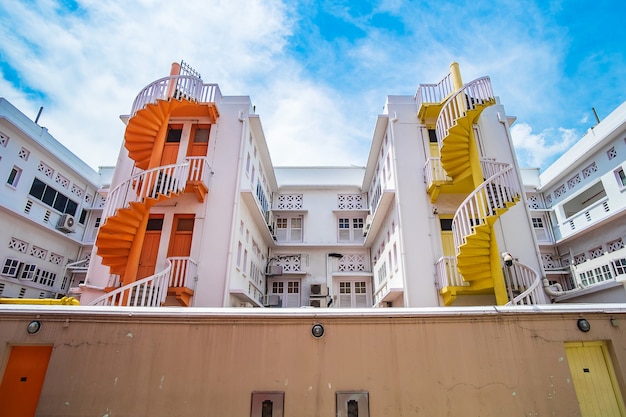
x=23, y=380
x=594, y=380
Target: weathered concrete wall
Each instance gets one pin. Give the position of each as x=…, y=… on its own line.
x=435, y=362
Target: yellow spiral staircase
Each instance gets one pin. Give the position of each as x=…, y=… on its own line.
x=496, y=189
x=120, y=238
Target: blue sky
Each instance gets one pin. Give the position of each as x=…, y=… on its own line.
x=318, y=72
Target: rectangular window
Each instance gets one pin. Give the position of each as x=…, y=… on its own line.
x=14, y=176
x=52, y=197
x=10, y=267
x=289, y=229
x=351, y=229
x=28, y=272
x=354, y=294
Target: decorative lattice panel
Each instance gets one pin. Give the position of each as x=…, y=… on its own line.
x=76, y=190
x=350, y=201
x=352, y=263
x=45, y=169
x=548, y=261
x=611, y=153
x=615, y=245
x=61, y=180
x=55, y=259
x=595, y=253
x=18, y=245
x=290, y=263
x=574, y=181
x=289, y=202
x=24, y=154
x=38, y=252
x=559, y=191
x=590, y=170
x=579, y=259
x=534, y=201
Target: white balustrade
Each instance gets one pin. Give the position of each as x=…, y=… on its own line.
x=434, y=172
x=178, y=87
x=493, y=194
x=448, y=273
x=472, y=95
x=199, y=169
x=434, y=93
x=147, y=292
x=147, y=184
x=523, y=284
x=184, y=272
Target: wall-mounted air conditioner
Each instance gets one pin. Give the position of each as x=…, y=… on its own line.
x=273, y=300
x=319, y=302
x=273, y=270
x=67, y=223
x=319, y=290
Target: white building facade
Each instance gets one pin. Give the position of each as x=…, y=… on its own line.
x=50, y=210
x=578, y=207
x=197, y=215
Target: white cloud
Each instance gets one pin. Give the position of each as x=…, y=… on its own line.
x=539, y=149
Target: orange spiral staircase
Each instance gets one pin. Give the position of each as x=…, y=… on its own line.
x=120, y=238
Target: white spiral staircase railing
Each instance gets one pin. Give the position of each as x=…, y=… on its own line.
x=523, y=284
x=492, y=197
x=177, y=87
x=474, y=219
x=163, y=180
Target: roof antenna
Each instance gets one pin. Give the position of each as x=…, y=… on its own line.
x=38, y=114
x=595, y=114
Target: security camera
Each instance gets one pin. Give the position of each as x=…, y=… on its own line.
x=507, y=258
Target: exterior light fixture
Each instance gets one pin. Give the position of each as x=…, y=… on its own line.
x=33, y=327
x=317, y=330
x=583, y=325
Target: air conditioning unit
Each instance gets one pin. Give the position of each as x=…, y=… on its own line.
x=273, y=300
x=67, y=223
x=319, y=302
x=319, y=290
x=273, y=270
x=368, y=223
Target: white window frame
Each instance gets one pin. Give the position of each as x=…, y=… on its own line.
x=287, y=229
x=354, y=293
x=11, y=267
x=289, y=290
x=348, y=229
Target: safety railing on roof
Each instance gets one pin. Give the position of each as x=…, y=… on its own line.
x=178, y=87
x=434, y=93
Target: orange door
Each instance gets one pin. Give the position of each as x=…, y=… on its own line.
x=23, y=380
x=172, y=143
x=150, y=248
x=182, y=233
x=199, y=141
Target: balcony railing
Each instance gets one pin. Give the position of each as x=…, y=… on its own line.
x=434, y=93
x=448, y=273
x=184, y=272
x=434, y=172
x=199, y=169
x=604, y=268
x=178, y=87
x=591, y=214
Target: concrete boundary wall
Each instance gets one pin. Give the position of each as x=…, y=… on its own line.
x=489, y=361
